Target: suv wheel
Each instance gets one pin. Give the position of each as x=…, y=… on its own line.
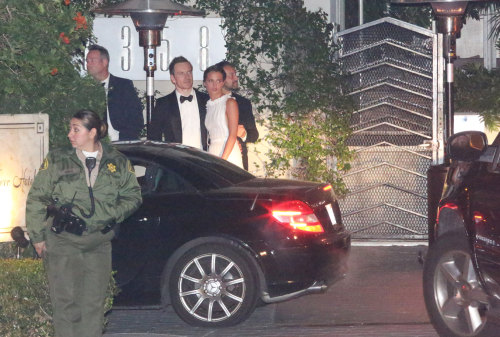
x=455, y=300
x=213, y=285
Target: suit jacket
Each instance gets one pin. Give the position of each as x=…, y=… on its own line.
x=248, y=121
x=166, y=119
x=125, y=108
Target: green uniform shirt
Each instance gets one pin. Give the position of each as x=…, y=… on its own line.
x=62, y=177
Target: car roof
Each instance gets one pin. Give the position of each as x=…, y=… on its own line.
x=186, y=160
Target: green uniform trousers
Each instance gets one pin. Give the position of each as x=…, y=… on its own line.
x=79, y=270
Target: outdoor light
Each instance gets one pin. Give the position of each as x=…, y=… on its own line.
x=149, y=17
x=449, y=20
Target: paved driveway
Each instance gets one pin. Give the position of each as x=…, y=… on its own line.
x=380, y=297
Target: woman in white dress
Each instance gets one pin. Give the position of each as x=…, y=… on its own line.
x=221, y=120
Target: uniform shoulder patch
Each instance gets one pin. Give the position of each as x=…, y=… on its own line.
x=45, y=165
x=130, y=167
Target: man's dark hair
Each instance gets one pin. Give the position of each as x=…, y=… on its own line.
x=178, y=59
x=103, y=51
x=224, y=63
x=214, y=68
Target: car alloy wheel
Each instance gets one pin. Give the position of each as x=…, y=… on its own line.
x=455, y=300
x=213, y=286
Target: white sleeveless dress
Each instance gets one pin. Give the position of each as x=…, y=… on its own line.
x=218, y=131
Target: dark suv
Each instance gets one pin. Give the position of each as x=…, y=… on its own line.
x=462, y=267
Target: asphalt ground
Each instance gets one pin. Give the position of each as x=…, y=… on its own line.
x=381, y=296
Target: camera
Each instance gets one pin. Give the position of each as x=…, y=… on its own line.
x=65, y=220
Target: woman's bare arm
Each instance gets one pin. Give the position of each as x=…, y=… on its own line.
x=232, y=115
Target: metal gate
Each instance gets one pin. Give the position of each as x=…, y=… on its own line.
x=395, y=77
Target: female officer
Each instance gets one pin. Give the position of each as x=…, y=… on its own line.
x=101, y=191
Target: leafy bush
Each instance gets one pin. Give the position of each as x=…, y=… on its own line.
x=477, y=90
x=9, y=250
x=42, y=43
x=24, y=299
x=285, y=56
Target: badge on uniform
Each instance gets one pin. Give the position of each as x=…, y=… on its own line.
x=111, y=168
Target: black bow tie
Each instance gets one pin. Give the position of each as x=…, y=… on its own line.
x=186, y=98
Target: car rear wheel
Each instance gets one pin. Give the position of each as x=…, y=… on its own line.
x=213, y=285
x=455, y=300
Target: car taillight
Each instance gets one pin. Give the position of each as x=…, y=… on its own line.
x=298, y=215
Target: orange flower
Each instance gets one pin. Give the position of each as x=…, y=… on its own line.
x=54, y=71
x=67, y=2
x=64, y=38
x=81, y=21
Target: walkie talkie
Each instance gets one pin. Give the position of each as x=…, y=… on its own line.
x=90, y=163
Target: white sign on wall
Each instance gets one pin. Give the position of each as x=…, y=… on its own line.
x=200, y=40
x=467, y=122
x=25, y=142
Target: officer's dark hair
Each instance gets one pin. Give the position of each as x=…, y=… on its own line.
x=92, y=120
x=215, y=68
x=225, y=63
x=102, y=51
x=178, y=59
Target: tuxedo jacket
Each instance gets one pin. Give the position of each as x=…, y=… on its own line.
x=247, y=119
x=166, y=119
x=125, y=108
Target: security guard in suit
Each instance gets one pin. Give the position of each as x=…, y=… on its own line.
x=89, y=188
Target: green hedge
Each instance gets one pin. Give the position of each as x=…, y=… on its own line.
x=24, y=299
x=9, y=250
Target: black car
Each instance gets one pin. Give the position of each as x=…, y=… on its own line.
x=462, y=267
x=213, y=240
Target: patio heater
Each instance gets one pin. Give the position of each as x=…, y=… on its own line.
x=149, y=17
x=449, y=20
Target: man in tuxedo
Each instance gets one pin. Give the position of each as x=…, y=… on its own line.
x=124, y=108
x=247, y=130
x=179, y=117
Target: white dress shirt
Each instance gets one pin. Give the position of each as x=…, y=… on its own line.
x=190, y=120
x=113, y=134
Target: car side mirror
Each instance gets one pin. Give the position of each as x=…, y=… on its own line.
x=466, y=146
